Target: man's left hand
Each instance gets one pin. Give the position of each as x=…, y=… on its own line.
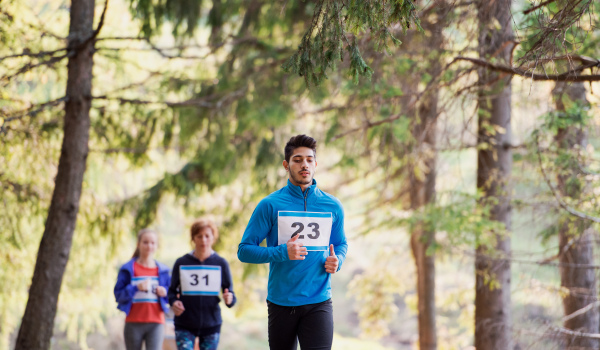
x=332, y=262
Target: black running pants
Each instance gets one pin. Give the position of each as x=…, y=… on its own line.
x=310, y=324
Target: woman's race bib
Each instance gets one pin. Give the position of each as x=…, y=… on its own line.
x=200, y=279
x=313, y=228
x=150, y=295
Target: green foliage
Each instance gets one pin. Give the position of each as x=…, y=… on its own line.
x=463, y=220
x=393, y=91
x=559, y=28
x=183, y=14
x=358, y=66
x=27, y=185
x=375, y=291
x=27, y=143
x=575, y=115
x=325, y=46
x=378, y=16
x=563, y=163
x=207, y=135
x=322, y=44
x=7, y=36
x=127, y=127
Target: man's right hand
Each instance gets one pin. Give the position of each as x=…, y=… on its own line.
x=296, y=250
x=177, y=307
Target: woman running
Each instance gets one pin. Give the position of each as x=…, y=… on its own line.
x=198, y=277
x=141, y=293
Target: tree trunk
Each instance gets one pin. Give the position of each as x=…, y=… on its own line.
x=575, y=235
x=494, y=165
x=422, y=188
x=38, y=321
x=422, y=193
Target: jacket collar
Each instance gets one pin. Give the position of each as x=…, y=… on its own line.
x=195, y=258
x=129, y=266
x=296, y=191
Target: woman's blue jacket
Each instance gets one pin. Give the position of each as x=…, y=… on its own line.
x=124, y=290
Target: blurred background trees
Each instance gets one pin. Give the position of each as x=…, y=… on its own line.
x=455, y=148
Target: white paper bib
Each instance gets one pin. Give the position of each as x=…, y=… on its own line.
x=313, y=228
x=200, y=279
x=149, y=296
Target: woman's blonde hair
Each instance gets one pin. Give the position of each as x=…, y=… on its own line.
x=140, y=234
x=201, y=224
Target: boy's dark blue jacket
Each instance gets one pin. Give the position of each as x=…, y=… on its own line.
x=124, y=290
x=202, y=315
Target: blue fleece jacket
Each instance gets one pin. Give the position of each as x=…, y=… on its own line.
x=124, y=290
x=294, y=282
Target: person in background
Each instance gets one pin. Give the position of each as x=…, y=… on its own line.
x=141, y=293
x=198, y=277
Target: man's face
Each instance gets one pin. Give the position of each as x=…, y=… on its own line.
x=301, y=167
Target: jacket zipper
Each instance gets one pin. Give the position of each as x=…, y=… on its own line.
x=305, y=194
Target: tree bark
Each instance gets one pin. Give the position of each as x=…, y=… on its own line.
x=576, y=239
x=494, y=166
x=422, y=193
x=422, y=188
x=38, y=321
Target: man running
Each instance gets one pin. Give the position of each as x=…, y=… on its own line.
x=306, y=243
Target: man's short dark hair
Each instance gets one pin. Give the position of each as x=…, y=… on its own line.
x=299, y=141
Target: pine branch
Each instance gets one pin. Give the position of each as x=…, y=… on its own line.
x=101, y=23
x=164, y=51
x=22, y=191
x=581, y=311
x=30, y=66
x=369, y=124
x=72, y=49
x=543, y=262
x=33, y=110
x=554, y=29
x=138, y=150
x=587, y=61
x=45, y=31
x=559, y=200
x=533, y=8
x=158, y=50
x=328, y=35
x=28, y=53
x=40, y=27
x=325, y=110
x=204, y=102
x=576, y=334
x=151, y=75
x=571, y=75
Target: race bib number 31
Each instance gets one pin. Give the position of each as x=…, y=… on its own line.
x=313, y=229
x=200, y=280
x=148, y=296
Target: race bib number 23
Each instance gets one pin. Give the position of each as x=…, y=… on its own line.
x=313, y=228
